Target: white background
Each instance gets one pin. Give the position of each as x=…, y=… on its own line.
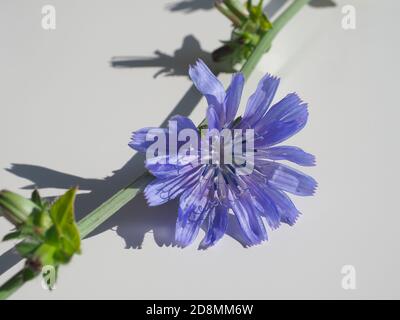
x=67, y=114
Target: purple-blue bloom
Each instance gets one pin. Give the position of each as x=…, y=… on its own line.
x=210, y=192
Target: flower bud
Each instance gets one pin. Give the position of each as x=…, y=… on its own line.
x=15, y=208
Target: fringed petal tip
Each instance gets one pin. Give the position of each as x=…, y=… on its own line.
x=141, y=139
x=274, y=225
x=314, y=188
x=261, y=99
x=249, y=244
x=289, y=153
x=152, y=195
x=309, y=161
x=180, y=244
x=300, y=112
x=304, y=159
x=310, y=187
x=184, y=236
x=199, y=64
x=270, y=79
x=136, y=142
x=207, y=83
x=291, y=221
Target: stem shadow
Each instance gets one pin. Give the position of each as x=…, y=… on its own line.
x=189, y=6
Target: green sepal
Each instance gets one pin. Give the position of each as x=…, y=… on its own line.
x=35, y=198
x=12, y=235
x=26, y=248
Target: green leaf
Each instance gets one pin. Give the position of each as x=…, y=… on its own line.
x=52, y=236
x=62, y=215
x=12, y=235
x=259, y=9
x=45, y=254
x=265, y=24
x=41, y=220
x=62, y=211
x=25, y=248
x=61, y=257
x=35, y=198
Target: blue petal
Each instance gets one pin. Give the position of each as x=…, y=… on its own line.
x=181, y=124
x=161, y=191
x=213, y=119
x=289, y=153
x=249, y=220
x=207, y=83
x=287, y=179
x=260, y=100
x=287, y=210
x=233, y=95
x=264, y=203
x=194, y=205
x=217, y=223
x=282, y=121
x=169, y=166
x=138, y=141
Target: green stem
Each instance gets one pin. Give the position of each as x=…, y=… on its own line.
x=95, y=218
x=16, y=282
x=112, y=205
x=227, y=13
x=267, y=38
x=237, y=9
x=12, y=285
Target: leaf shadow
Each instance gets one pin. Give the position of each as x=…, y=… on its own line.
x=169, y=65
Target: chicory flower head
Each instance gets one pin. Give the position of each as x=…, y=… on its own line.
x=210, y=191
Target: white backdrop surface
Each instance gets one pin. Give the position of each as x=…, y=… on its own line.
x=67, y=114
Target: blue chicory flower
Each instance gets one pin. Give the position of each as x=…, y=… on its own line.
x=210, y=192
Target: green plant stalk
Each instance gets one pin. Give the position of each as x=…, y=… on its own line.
x=94, y=219
x=236, y=8
x=227, y=13
x=122, y=197
x=12, y=285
